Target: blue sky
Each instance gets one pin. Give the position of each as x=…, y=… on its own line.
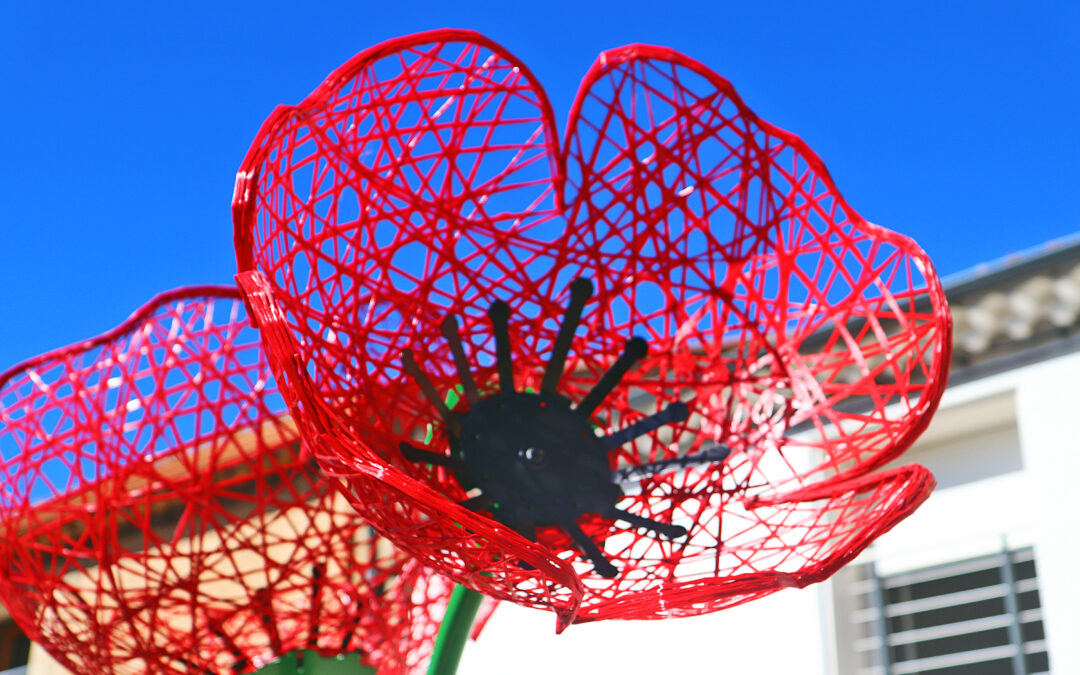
x=955, y=122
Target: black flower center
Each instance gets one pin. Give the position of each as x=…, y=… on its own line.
x=535, y=457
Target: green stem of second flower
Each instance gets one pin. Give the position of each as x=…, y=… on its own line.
x=454, y=631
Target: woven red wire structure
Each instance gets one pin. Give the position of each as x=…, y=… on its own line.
x=414, y=234
x=157, y=515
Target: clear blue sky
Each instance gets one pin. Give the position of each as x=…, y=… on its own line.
x=957, y=123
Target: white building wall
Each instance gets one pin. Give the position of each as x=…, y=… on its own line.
x=42, y=663
x=1048, y=412
x=782, y=633
x=1006, y=450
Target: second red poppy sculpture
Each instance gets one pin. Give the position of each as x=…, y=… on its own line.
x=157, y=514
x=645, y=371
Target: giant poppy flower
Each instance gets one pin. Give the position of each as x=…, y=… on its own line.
x=157, y=515
x=646, y=371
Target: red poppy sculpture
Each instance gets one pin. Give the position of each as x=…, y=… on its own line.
x=157, y=515
x=646, y=371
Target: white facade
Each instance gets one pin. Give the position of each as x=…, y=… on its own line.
x=1006, y=452
x=1005, y=449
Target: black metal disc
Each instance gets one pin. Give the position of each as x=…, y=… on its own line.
x=538, y=459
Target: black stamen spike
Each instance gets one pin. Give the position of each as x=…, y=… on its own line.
x=600, y=562
x=676, y=412
x=499, y=313
x=416, y=455
x=461, y=362
x=421, y=378
x=636, y=348
x=664, y=529
x=526, y=527
x=481, y=502
x=240, y=661
x=317, y=573
x=263, y=598
x=717, y=453
x=350, y=632
x=580, y=292
x=535, y=459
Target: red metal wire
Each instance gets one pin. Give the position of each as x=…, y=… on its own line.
x=157, y=515
x=425, y=179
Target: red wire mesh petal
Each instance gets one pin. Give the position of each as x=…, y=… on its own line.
x=485, y=555
x=157, y=516
x=373, y=204
x=722, y=240
x=371, y=207
x=773, y=544
x=810, y=342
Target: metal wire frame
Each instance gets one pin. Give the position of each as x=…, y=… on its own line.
x=425, y=179
x=158, y=516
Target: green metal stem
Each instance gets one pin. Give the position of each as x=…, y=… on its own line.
x=454, y=632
